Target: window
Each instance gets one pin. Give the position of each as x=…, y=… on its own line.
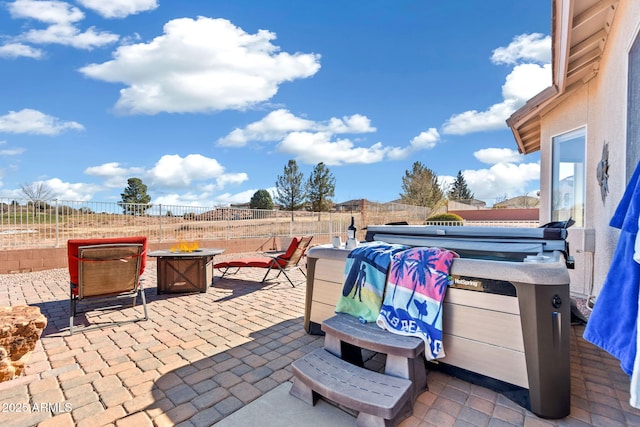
x=568, y=179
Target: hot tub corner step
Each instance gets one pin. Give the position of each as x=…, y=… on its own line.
x=380, y=400
x=348, y=329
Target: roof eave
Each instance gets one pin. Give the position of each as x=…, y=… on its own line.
x=561, y=11
x=528, y=112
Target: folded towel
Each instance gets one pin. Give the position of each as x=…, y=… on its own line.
x=613, y=322
x=365, y=277
x=412, y=305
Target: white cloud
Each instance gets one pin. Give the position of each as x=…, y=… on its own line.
x=115, y=175
x=272, y=127
x=356, y=123
x=277, y=124
x=50, y=12
x=205, y=198
x=20, y=50
x=11, y=151
x=479, y=121
x=534, y=47
x=201, y=65
x=424, y=141
x=314, y=141
x=175, y=171
x=34, y=122
x=318, y=147
x=119, y=8
x=231, y=178
x=69, y=35
x=229, y=198
x=502, y=178
x=71, y=191
x=523, y=82
x=61, y=18
x=193, y=171
x=493, y=156
x=526, y=81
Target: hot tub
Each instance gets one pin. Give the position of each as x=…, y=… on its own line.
x=506, y=314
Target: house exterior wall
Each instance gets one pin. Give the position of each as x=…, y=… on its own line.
x=601, y=107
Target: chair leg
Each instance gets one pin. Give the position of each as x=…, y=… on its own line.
x=144, y=302
x=226, y=271
x=72, y=312
x=265, y=276
x=288, y=278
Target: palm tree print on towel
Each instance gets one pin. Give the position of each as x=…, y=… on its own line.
x=363, y=258
x=418, y=280
x=365, y=279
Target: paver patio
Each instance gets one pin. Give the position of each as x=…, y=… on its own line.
x=202, y=356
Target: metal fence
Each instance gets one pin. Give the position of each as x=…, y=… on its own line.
x=25, y=224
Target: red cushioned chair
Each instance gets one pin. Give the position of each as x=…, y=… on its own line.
x=106, y=269
x=282, y=263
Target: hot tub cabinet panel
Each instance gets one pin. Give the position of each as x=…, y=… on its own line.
x=520, y=339
x=325, y=277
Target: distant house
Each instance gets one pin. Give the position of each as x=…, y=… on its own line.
x=459, y=206
x=351, y=205
x=586, y=127
x=506, y=214
x=518, y=202
x=246, y=205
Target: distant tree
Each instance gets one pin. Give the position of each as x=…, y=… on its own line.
x=261, y=199
x=37, y=193
x=289, y=188
x=420, y=187
x=321, y=188
x=499, y=199
x=460, y=190
x=135, y=200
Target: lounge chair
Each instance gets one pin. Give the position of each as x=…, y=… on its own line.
x=105, y=270
x=282, y=263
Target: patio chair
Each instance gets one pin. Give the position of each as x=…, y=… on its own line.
x=282, y=263
x=103, y=271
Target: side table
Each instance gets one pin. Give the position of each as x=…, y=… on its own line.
x=185, y=271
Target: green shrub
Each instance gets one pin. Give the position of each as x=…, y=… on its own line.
x=446, y=218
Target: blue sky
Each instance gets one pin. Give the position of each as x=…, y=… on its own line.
x=206, y=101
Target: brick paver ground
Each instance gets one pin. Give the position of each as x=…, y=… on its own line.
x=203, y=356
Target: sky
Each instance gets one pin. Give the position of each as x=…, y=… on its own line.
x=206, y=101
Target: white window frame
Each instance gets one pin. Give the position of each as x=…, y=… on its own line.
x=571, y=202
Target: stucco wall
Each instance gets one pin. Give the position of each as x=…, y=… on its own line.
x=601, y=106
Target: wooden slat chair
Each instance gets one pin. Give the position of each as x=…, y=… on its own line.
x=282, y=263
x=105, y=272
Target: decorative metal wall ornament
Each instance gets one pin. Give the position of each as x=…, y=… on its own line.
x=602, y=172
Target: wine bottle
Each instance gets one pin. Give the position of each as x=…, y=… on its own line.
x=351, y=231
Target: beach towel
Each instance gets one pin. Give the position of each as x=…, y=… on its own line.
x=412, y=305
x=365, y=278
x=613, y=322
